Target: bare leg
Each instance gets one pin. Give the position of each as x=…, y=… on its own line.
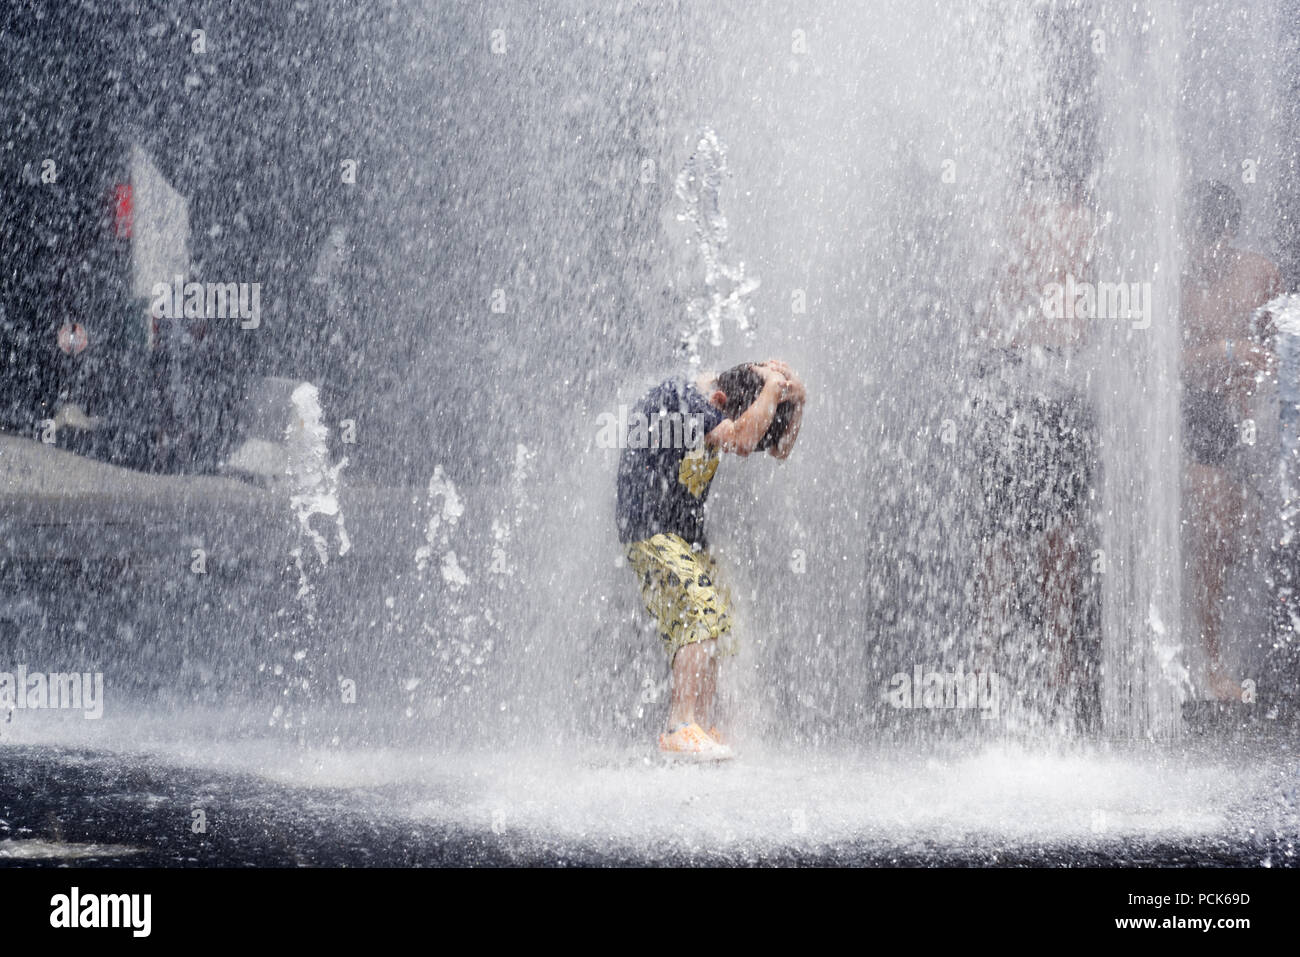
x=1060, y=581
x=705, y=706
x=1216, y=511
x=694, y=682
x=994, y=585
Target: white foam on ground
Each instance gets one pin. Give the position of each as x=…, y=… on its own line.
x=39, y=850
x=993, y=799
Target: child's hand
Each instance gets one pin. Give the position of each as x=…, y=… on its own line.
x=793, y=390
x=781, y=367
x=769, y=373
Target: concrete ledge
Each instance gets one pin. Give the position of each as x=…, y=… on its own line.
x=56, y=505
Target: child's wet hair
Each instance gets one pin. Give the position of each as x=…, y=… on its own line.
x=742, y=385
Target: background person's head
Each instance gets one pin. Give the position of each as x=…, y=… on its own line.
x=1213, y=214
x=740, y=387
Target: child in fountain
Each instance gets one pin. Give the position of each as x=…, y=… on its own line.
x=662, y=487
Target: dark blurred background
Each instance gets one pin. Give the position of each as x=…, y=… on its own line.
x=497, y=190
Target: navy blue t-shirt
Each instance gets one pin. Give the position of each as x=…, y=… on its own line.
x=665, y=469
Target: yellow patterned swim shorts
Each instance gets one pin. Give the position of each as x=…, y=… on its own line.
x=680, y=588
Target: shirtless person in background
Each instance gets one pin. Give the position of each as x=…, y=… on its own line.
x=1222, y=357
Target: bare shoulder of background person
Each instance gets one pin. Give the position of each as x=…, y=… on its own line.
x=1260, y=275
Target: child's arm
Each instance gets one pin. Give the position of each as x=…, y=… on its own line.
x=743, y=435
x=794, y=392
